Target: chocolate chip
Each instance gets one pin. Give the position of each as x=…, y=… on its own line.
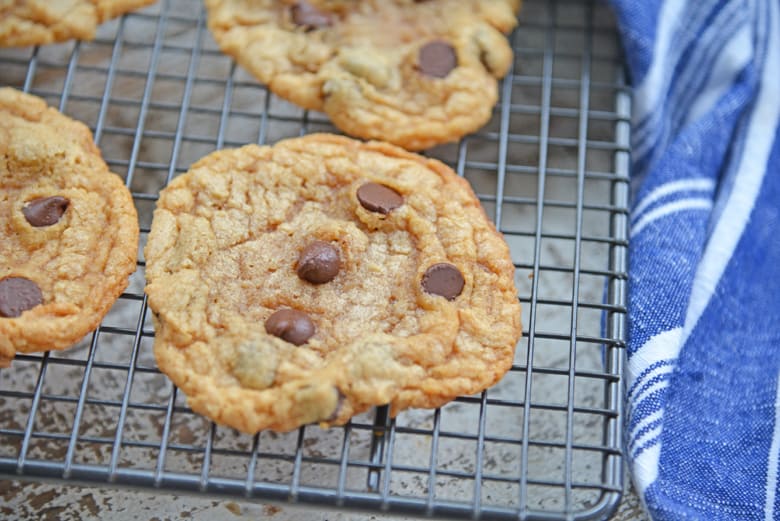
x=18, y=294
x=443, y=279
x=319, y=262
x=290, y=325
x=379, y=198
x=306, y=15
x=437, y=59
x=339, y=404
x=45, y=211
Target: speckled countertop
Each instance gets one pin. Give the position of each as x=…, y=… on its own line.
x=46, y=502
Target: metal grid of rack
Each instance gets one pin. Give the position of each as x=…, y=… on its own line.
x=551, y=169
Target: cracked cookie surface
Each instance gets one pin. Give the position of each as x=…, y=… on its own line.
x=309, y=281
x=38, y=22
x=365, y=63
x=68, y=229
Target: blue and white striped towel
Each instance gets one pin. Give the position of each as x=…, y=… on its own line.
x=703, y=422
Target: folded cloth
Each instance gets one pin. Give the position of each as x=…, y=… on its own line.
x=702, y=428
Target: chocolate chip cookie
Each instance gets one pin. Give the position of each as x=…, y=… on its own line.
x=69, y=232
x=309, y=281
x=413, y=73
x=38, y=22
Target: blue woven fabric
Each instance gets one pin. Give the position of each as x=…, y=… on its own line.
x=702, y=429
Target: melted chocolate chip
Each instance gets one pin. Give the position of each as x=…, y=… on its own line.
x=17, y=295
x=379, y=198
x=443, y=279
x=319, y=262
x=290, y=325
x=339, y=404
x=437, y=59
x=306, y=15
x=45, y=211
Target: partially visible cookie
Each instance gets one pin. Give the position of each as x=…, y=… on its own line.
x=413, y=73
x=69, y=232
x=38, y=22
x=309, y=281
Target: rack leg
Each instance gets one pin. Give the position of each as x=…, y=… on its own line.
x=378, y=436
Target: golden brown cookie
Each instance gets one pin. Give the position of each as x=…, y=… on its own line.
x=38, y=22
x=415, y=74
x=309, y=281
x=68, y=229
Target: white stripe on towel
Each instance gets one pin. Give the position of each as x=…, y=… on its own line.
x=733, y=59
x=694, y=203
x=681, y=185
x=648, y=92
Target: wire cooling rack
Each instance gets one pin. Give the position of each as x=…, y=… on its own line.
x=551, y=169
